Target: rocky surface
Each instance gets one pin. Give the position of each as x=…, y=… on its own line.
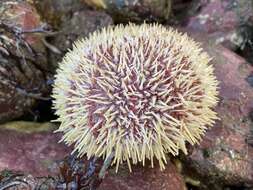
x=227, y=22
x=131, y=10
x=224, y=156
x=17, y=181
x=144, y=179
x=79, y=26
x=23, y=62
x=57, y=12
x=30, y=147
x=27, y=60
x=71, y=20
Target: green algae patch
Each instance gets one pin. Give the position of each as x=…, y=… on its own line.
x=29, y=127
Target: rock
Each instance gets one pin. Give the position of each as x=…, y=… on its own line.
x=144, y=178
x=224, y=156
x=18, y=20
x=56, y=12
x=246, y=52
x=227, y=22
x=182, y=10
x=79, y=26
x=71, y=20
x=16, y=181
x=131, y=10
x=76, y=173
x=30, y=148
x=22, y=59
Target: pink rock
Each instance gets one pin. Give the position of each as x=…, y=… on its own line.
x=141, y=178
x=27, y=18
x=33, y=152
x=214, y=17
x=224, y=20
x=144, y=178
x=224, y=154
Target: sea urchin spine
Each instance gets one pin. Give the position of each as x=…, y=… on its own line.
x=138, y=91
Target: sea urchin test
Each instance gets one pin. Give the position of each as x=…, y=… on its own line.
x=139, y=92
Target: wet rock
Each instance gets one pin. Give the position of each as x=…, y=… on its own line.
x=30, y=148
x=75, y=173
x=22, y=59
x=224, y=156
x=16, y=181
x=227, y=22
x=56, y=12
x=79, y=172
x=70, y=20
x=79, y=26
x=144, y=178
x=20, y=23
x=131, y=10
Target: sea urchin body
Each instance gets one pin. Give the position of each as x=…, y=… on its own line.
x=138, y=91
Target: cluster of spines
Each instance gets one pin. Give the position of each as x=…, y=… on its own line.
x=137, y=91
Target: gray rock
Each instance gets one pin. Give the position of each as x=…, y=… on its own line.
x=22, y=59
x=134, y=10
x=79, y=26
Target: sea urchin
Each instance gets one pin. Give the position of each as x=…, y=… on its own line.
x=138, y=91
